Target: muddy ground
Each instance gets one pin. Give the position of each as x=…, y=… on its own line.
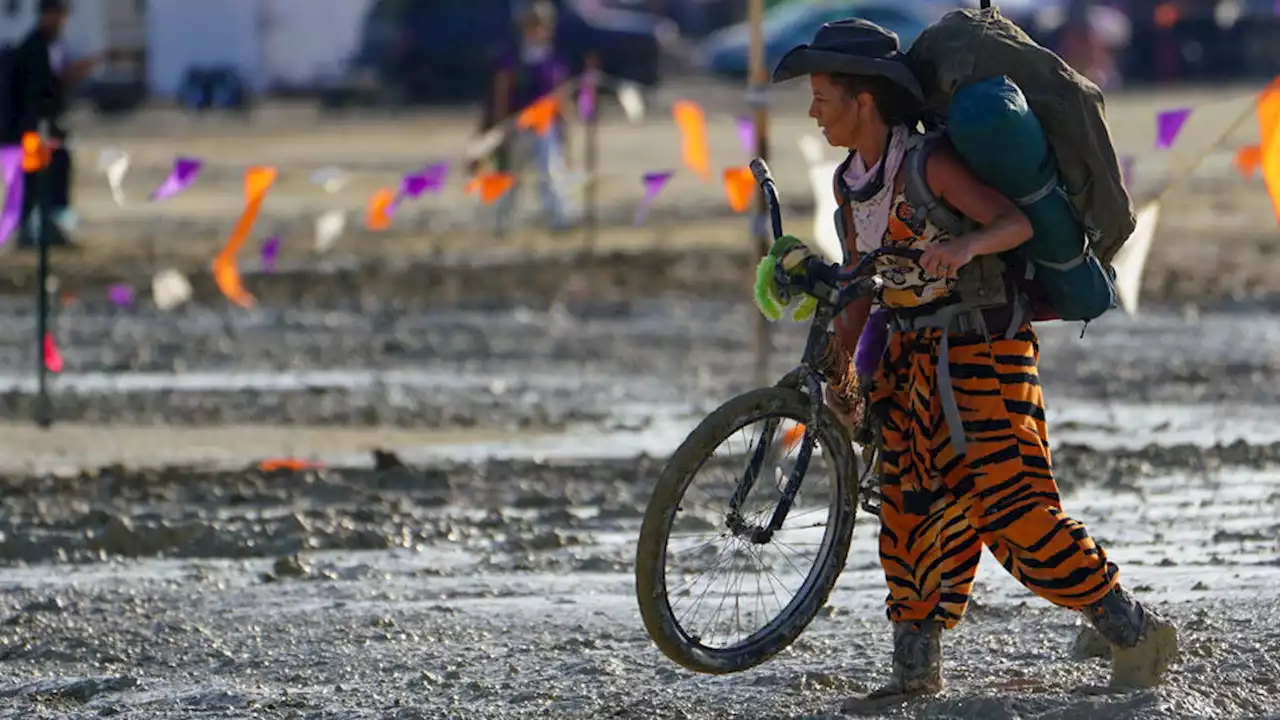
x=531, y=393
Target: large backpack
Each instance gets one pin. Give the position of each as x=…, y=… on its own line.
x=1052, y=157
x=973, y=45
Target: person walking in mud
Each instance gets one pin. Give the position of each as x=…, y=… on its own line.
x=945, y=353
x=526, y=72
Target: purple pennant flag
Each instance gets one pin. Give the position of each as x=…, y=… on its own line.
x=587, y=95
x=653, y=184
x=1168, y=124
x=747, y=135
x=184, y=173
x=121, y=294
x=413, y=185
x=429, y=179
x=270, y=250
x=11, y=160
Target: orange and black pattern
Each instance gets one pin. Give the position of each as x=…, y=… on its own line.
x=939, y=510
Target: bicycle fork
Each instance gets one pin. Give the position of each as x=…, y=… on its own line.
x=812, y=378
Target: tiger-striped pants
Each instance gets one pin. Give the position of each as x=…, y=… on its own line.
x=938, y=510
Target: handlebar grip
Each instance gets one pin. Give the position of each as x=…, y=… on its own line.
x=760, y=170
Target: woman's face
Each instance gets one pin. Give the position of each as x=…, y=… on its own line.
x=841, y=118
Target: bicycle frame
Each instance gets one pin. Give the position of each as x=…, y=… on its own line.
x=834, y=290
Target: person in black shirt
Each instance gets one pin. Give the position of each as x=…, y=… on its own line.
x=37, y=93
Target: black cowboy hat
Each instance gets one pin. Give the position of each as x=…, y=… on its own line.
x=853, y=47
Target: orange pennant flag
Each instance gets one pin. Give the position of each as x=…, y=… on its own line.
x=540, y=115
x=35, y=154
x=792, y=437
x=491, y=186
x=378, y=216
x=288, y=464
x=692, y=124
x=1248, y=159
x=257, y=181
x=1269, y=129
x=738, y=186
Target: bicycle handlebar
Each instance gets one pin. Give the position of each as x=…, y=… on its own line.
x=814, y=267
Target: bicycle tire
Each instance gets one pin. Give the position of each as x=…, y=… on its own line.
x=651, y=548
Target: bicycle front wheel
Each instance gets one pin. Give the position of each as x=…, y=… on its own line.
x=764, y=588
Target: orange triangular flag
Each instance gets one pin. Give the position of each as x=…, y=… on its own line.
x=1269, y=129
x=289, y=464
x=378, y=216
x=540, y=115
x=1248, y=159
x=491, y=186
x=692, y=123
x=35, y=154
x=257, y=181
x=738, y=186
x=227, y=277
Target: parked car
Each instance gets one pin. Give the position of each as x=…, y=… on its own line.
x=726, y=52
x=442, y=51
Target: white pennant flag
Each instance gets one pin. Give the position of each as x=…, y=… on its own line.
x=1130, y=261
x=114, y=163
x=825, y=239
x=632, y=102
x=329, y=227
x=483, y=146
x=169, y=289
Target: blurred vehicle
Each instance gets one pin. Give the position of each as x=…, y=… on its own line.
x=727, y=51
x=413, y=51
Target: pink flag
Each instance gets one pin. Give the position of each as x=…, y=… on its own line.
x=653, y=184
x=52, y=358
x=1168, y=124
x=184, y=173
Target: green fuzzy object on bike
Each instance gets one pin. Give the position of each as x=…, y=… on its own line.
x=766, y=288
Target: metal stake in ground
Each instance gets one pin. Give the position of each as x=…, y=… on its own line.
x=43, y=408
x=756, y=96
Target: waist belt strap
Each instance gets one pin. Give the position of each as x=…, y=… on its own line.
x=957, y=318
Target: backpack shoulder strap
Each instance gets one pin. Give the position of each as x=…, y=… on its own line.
x=918, y=193
x=844, y=211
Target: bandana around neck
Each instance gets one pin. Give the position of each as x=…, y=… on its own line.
x=871, y=212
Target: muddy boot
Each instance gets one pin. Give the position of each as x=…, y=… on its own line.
x=917, y=660
x=1143, y=644
x=1090, y=644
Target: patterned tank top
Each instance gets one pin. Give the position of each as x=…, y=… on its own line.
x=906, y=285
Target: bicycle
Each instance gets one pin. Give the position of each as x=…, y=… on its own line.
x=798, y=399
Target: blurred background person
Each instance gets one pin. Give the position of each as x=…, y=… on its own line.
x=1090, y=39
x=40, y=78
x=526, y=71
